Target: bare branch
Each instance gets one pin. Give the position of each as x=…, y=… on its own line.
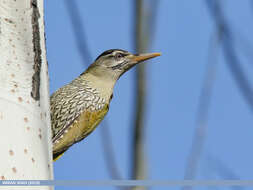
x=223, y=170
x=203, y=108
x=138, y=171
x=144, y=28
x=232, y=61
x=106, y=140
x=230, y=54
x=243, y=45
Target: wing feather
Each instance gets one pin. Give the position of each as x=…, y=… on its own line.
x=68, y=102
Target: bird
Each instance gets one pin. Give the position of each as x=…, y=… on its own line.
x=78, y=107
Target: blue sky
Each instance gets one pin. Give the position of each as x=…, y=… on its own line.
x=182, y=34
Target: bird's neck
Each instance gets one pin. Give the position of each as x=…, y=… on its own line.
x=104, y=85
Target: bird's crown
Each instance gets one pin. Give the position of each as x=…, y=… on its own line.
x=113, y=52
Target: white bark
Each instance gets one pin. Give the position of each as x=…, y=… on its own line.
x=25, y=134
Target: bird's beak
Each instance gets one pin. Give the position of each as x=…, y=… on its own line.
x=137, y=58
x=142, y=57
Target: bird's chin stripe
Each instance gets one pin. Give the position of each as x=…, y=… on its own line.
x=119, y=66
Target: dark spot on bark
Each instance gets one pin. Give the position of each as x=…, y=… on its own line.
x=35, y=93
x=9, y=20
x=25, y=119
x=11, y=152
x=14, y=170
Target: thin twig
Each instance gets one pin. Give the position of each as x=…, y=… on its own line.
x=237, y=73
x=138, y=171
x=144, y=29
x=243, y=45
x=203, y=109
x=109, y=154
x=79, y=31
x=83, y=48
x=148, y=25
x=223, y=171
x=139, y=162
x=232, y=60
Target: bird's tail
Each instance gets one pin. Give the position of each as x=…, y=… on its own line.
x=57, y=155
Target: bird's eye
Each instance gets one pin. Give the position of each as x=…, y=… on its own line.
x=119, y=55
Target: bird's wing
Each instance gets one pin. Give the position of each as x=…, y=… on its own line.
x=78, y=130
x=68, y=103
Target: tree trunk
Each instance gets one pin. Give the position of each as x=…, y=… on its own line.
x=25, y=132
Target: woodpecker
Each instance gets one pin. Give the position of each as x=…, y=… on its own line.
x=78, y=107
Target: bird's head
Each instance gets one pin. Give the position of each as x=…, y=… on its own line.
x=115, y=62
